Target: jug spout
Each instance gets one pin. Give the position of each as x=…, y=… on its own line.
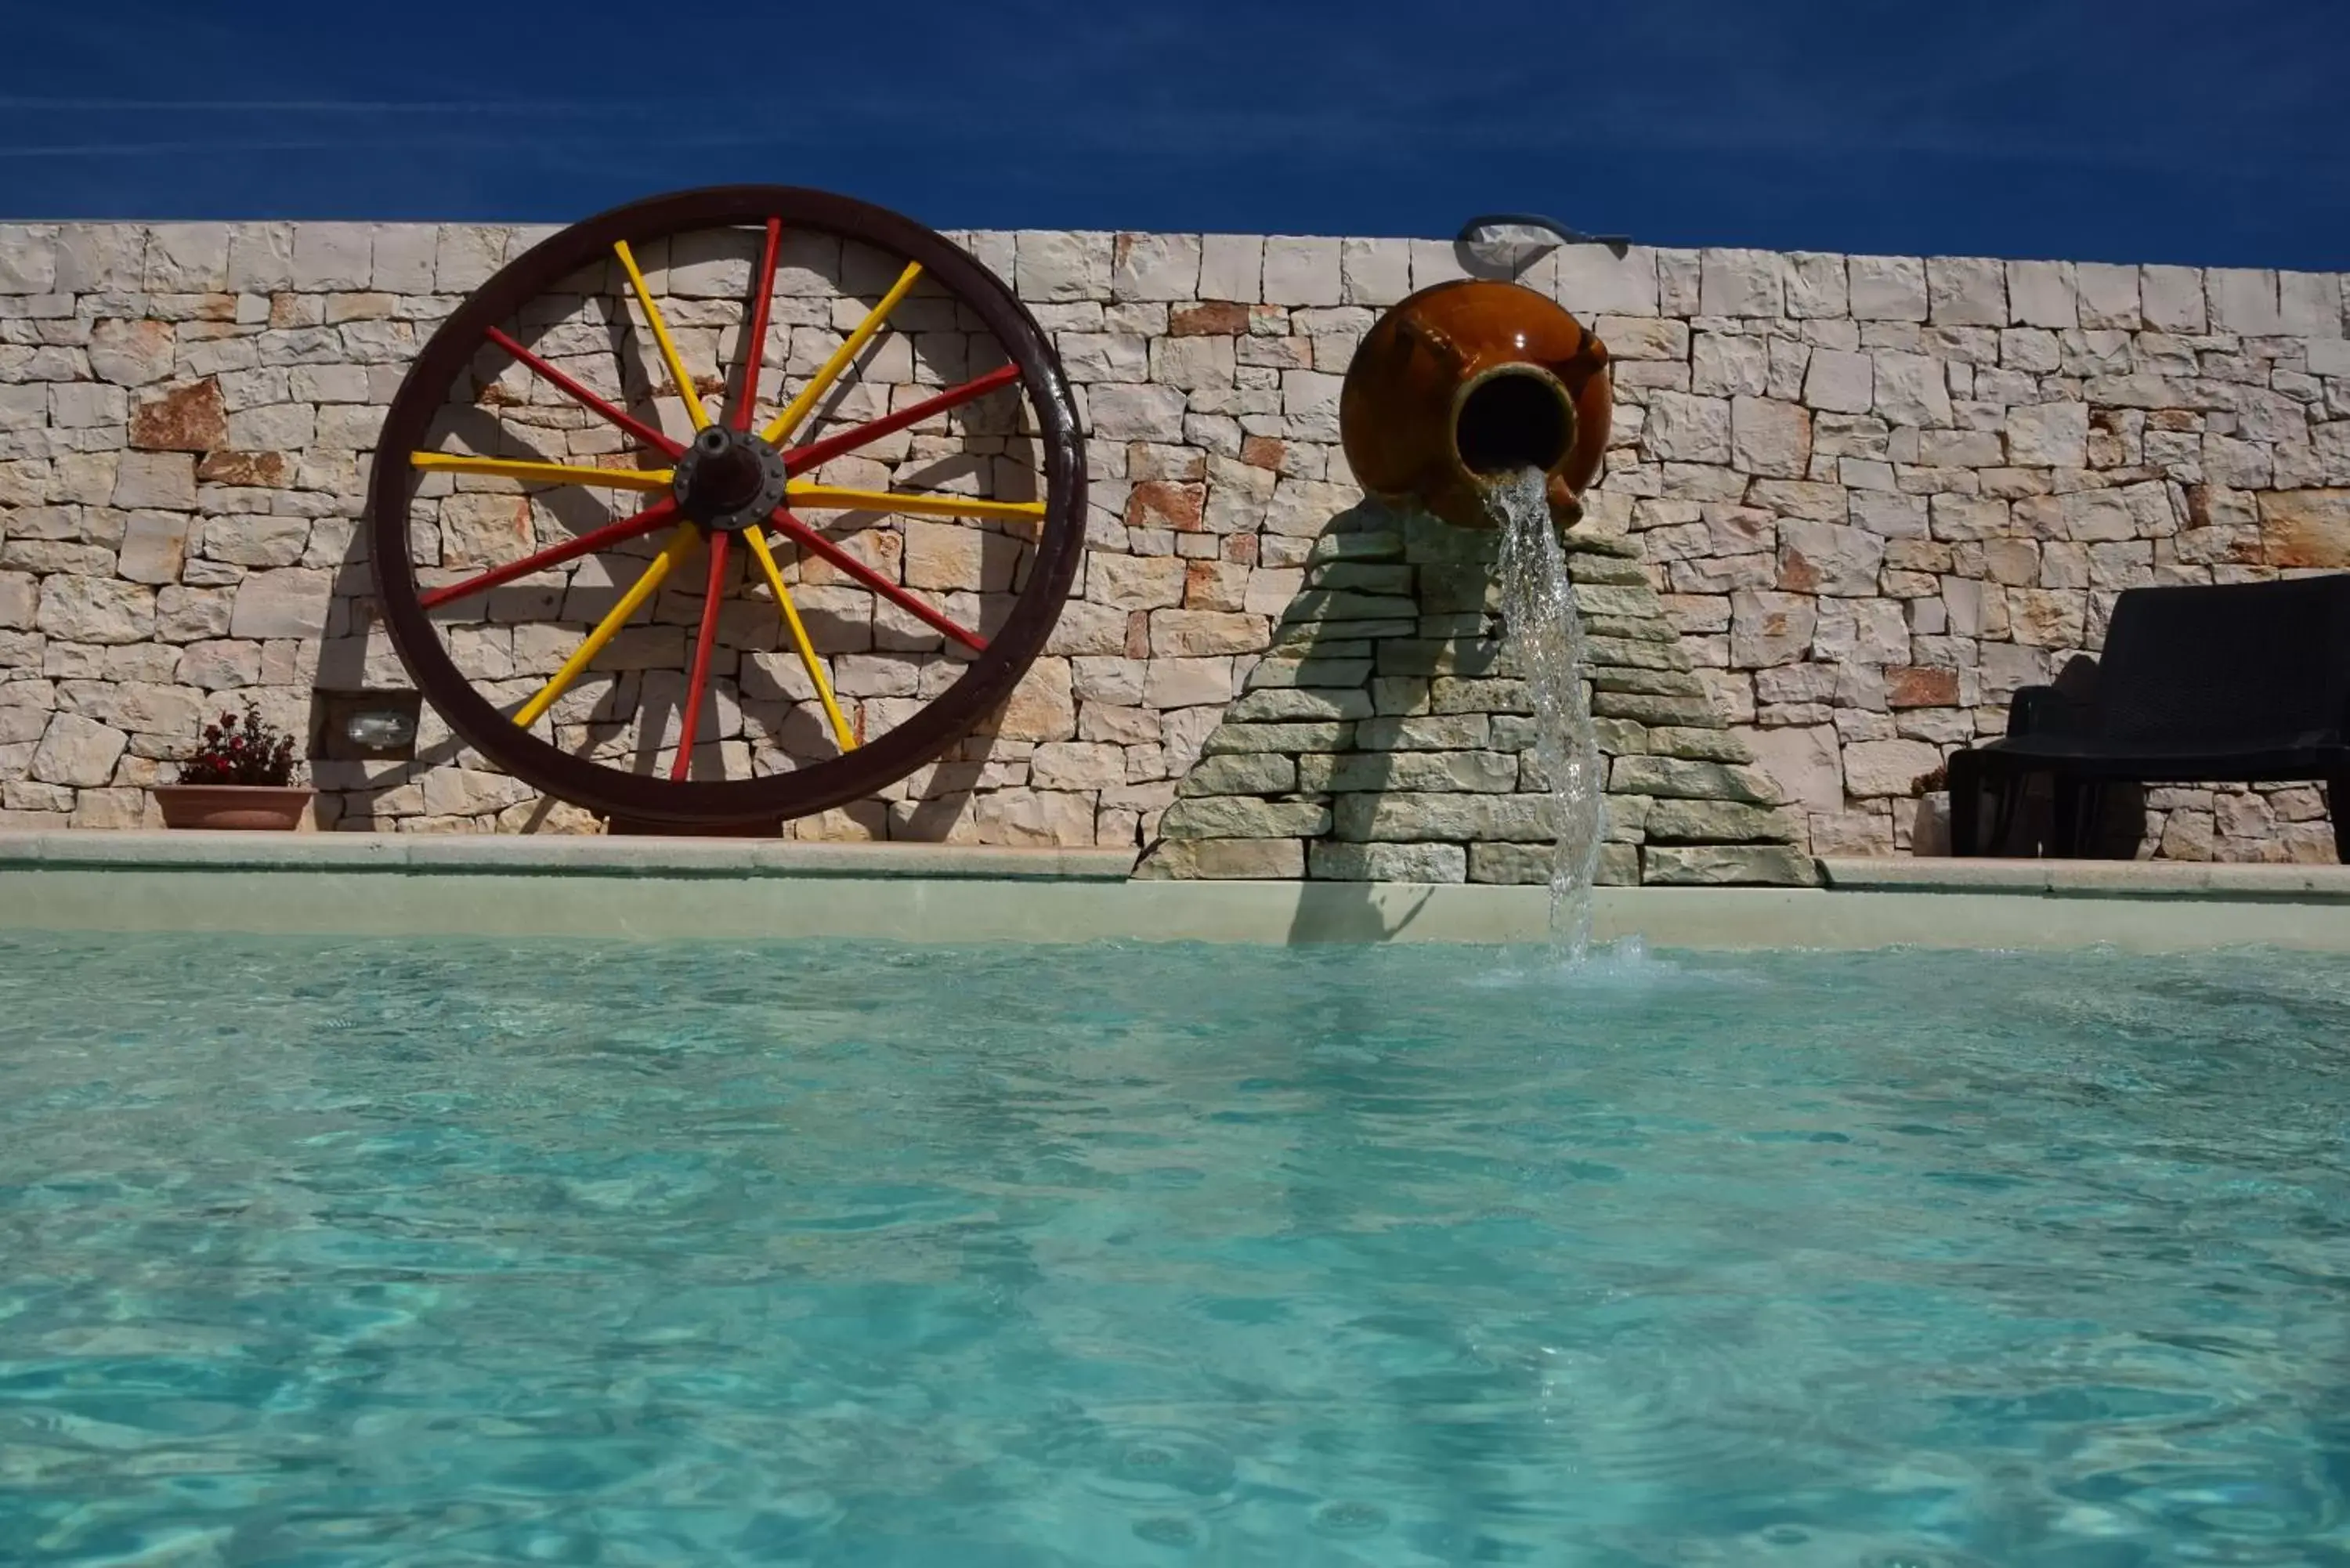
x=1465, y=384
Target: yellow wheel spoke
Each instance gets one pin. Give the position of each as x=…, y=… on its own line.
x=817, y=497
x=681, y=545
x=693, y=409
x=840, y=731
x=545, y=472
x=785, y=423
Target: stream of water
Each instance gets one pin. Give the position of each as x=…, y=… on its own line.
x=1546, y=640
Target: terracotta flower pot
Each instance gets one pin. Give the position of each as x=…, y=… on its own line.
x=1466, y=383
x=254, y=808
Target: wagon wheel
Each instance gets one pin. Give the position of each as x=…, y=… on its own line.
x=668, y=523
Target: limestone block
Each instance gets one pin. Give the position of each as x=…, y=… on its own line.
x=2107, y=296
x=1395, y=817
x=2049, y=435
x=1241, y=773
x=1769, y=437
x=1686, y=429
x=187, y=258
x=1286, y=702
x=330, y=256
x=1741, y=283
x=154, y=545
x=1043, y=707
x=1967, y=291
x=1334, y=862
x=1231, y=267
x=1227, y=860
x=1750, y=865
x=1077, y=765
x=1192, y=634
x=219, y=666
x=1840, y=381
x=1375, y=272
x=1104, y=357
x=1192, y=363
x=464, y=255
x=1887, y=288
x=1472, y=772
x=1805, y=762
x=1054, y=265
x=1117, y=680
x=189, y=416
x=77, y=752
x=2310, y=303
x=1678, y=778
x=1770, y=628
x=1309, y=399
x=1722, y=364
x=2171, y=298
x=1180, y=682
x=1138, y=413
x=1295, y=738
x=1155, y=266
x=1652, y=337
x=1828, y=558
x=19, y=600
x=1243, y=817
x=90, y=258
x=1911, y=389
x=2042, y=294
x=1877, y=770
x=1301, y=270
x=2243, y=300
x=1446, y=731
x=404, y=257
x=1816, y=286
x=93, y=609
x=948, y=557
x=2307, y=528
x=290, y=602
x=1531, y=865
x=1134, y=582
x=1713, y=821
x=131, y=353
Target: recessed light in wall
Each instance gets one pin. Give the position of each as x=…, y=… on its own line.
x=368, y=726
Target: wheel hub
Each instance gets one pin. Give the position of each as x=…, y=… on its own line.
x=728, y=481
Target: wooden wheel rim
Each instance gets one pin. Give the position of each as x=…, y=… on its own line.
x=856, y=774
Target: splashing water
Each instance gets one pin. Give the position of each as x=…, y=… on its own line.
x=1546, y=645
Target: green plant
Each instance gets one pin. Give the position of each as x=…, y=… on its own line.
x=240, y=750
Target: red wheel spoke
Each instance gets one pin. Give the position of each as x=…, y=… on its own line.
x=816, y=543
x=699, y=682
x=800, y=459
x=587, y=544
x=755, y=344
x=588, y=400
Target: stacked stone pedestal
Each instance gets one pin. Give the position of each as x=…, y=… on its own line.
x=1386, y=735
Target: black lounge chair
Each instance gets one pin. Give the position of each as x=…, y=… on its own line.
x=2234, y=683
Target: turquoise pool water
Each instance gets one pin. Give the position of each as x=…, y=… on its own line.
x=440, y=1253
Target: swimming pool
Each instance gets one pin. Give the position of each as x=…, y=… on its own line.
x=453, y=1252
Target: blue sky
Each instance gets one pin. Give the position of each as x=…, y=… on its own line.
x=2154, y=131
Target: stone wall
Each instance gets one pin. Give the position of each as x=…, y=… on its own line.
x=1875, y=494
x=1388, y=735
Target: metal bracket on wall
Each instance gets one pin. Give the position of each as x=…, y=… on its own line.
x=1616, y=244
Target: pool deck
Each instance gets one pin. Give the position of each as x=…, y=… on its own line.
x=655, y=888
